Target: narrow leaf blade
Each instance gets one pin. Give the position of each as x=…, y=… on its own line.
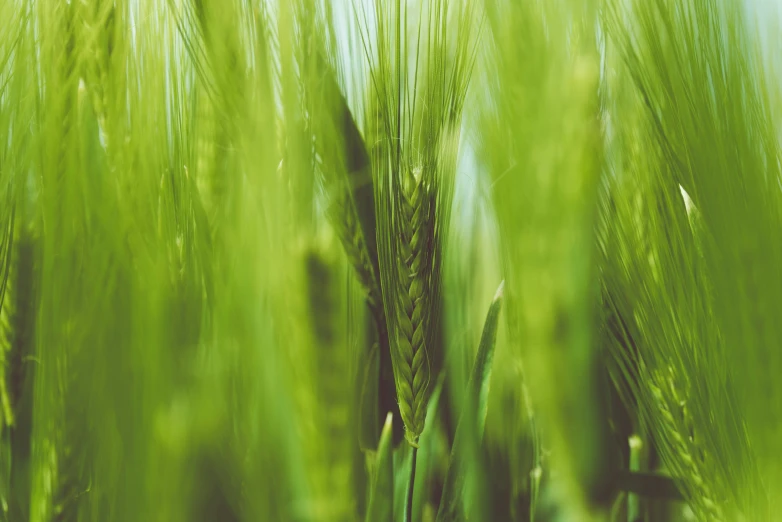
x=465, y=452
x=381, y=508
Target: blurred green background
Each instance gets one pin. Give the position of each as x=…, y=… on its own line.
x=206, y=206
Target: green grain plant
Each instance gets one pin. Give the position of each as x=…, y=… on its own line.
x=414, y=137
x=248, y=251
x=698, y=85
x=415, y=103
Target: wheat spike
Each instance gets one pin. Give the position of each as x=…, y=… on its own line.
x=345, y=220
x=6, y=312
x=17, y=315
x=702, y=498
x=412, y=130
x=412, y=310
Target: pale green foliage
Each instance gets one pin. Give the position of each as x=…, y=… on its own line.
x=245, y=244
x=542, y=144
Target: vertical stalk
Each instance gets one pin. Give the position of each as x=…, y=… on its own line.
x=411, y=487
x=633, y=500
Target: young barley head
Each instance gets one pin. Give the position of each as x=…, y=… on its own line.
x=418, y=81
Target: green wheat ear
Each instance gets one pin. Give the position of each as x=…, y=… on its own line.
x=412, y=131
x=414, y=303
x=344, y=217
x=702, y=497
x=420, y=73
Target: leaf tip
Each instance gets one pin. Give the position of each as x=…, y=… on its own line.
x=389, y=423
x=500, y=292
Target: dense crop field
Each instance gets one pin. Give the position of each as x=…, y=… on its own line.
x=390, y=261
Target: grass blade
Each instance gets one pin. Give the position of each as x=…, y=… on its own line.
x=465, y=456
x=381, y=500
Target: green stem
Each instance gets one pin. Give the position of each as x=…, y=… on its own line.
x=633, y=500
x=410, y=487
